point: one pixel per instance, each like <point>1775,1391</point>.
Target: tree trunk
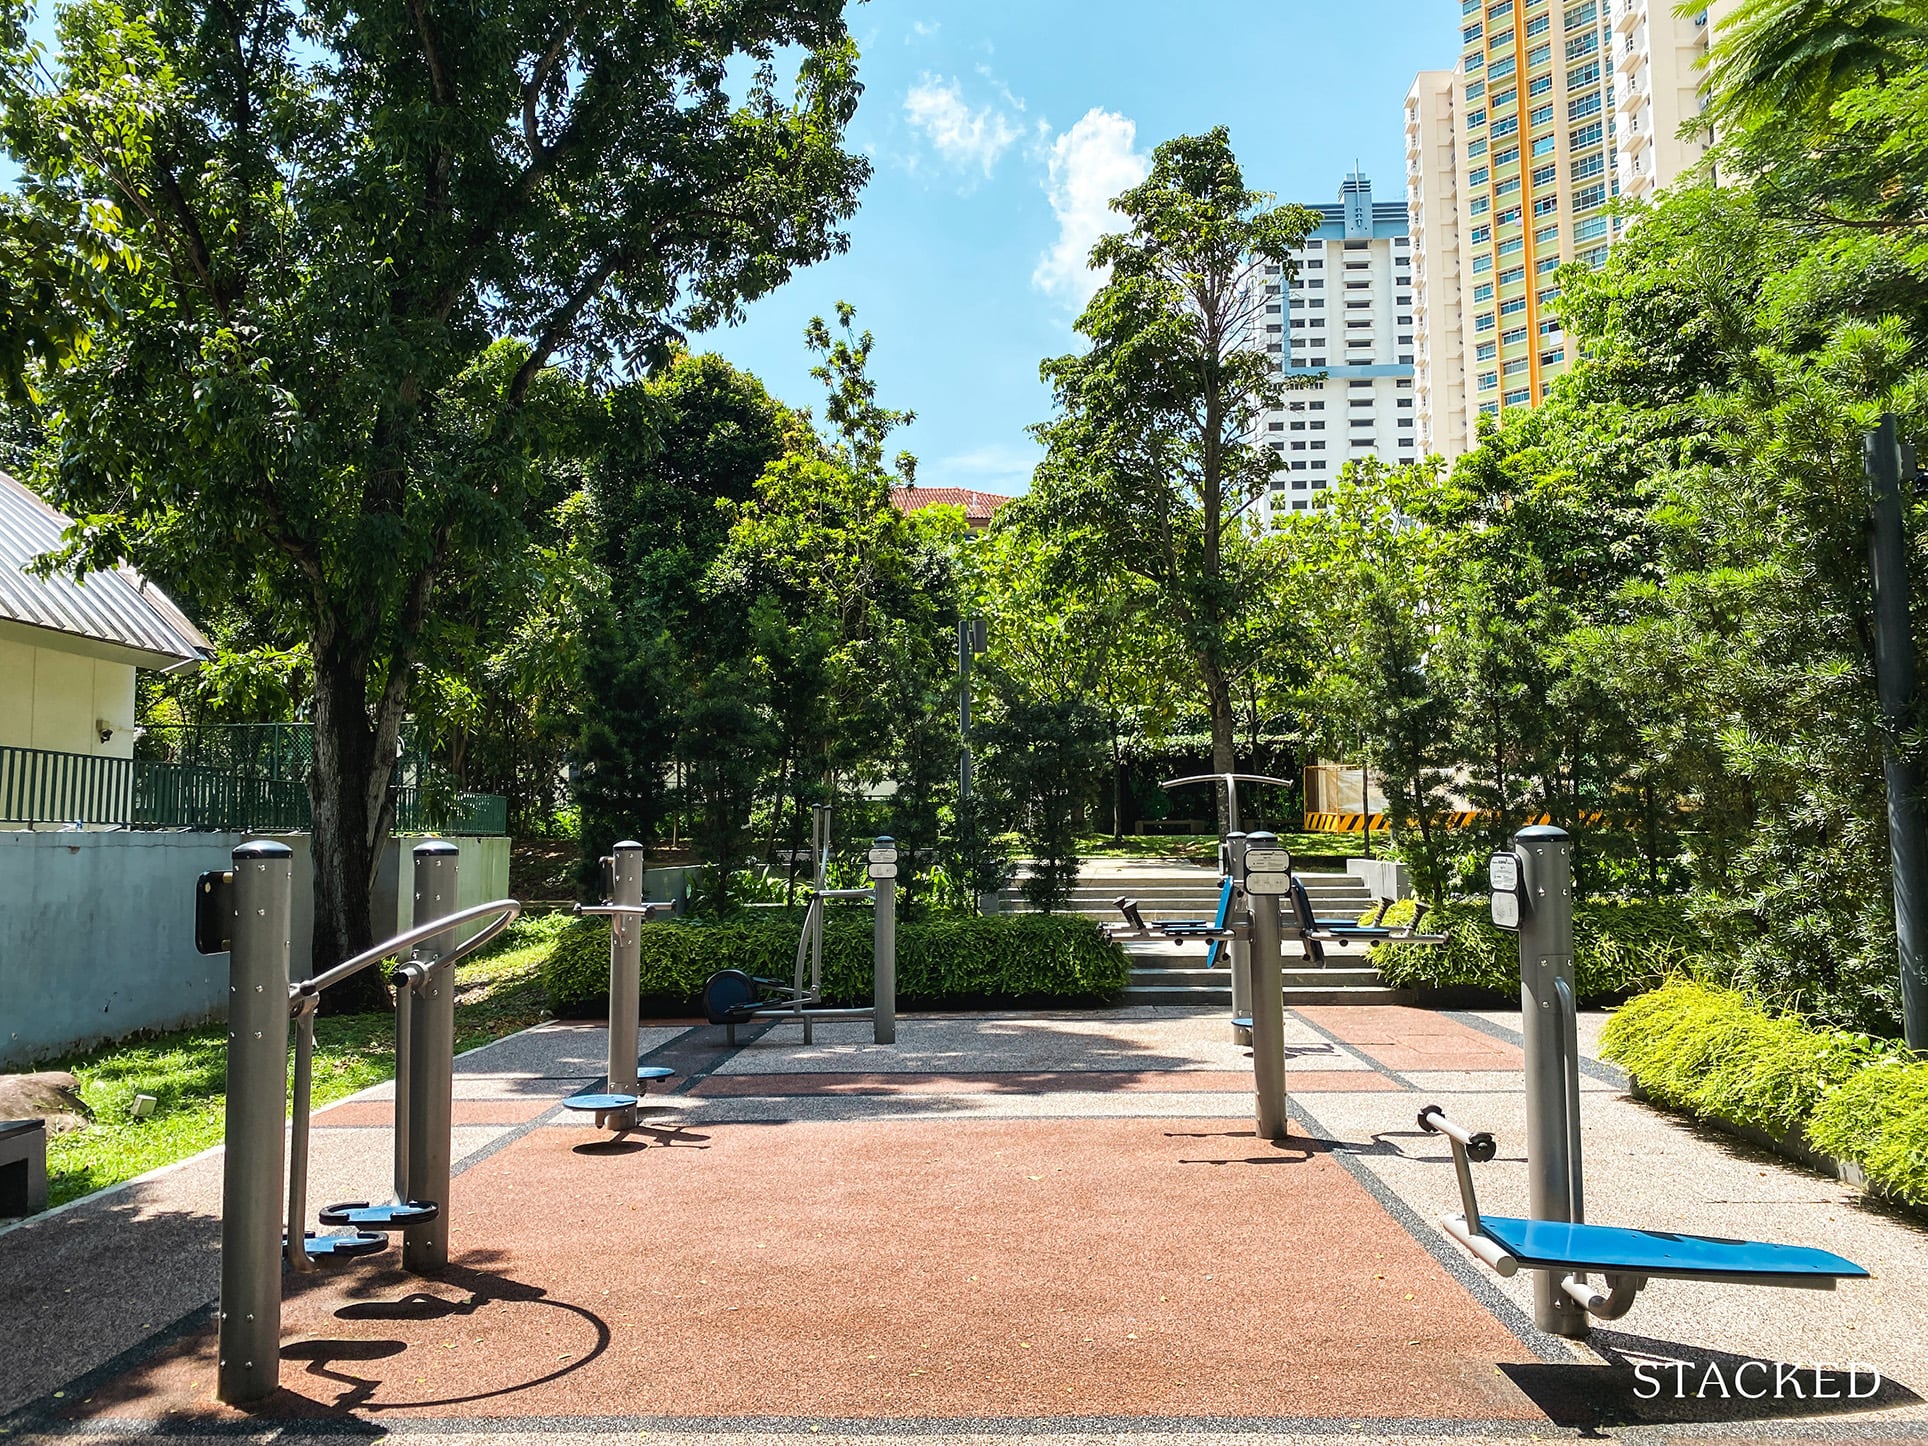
<point>1218,697</point>
<point>348,786</point>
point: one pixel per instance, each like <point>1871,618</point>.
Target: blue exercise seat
<point>1661,1254</point>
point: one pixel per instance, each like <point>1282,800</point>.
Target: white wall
<point>97,930</point>
<point>51,698</point>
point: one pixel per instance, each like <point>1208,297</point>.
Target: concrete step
<point>1294,998</point>
<point>1332,976</point>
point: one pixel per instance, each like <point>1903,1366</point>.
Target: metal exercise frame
<point>1533,895</point>
<point>1256,929</point>
<point>615,1105</point>
<point>801,999</point>
<point>249,911</point>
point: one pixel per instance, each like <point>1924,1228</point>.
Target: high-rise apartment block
<point>1556,107</point>
<point>1342,331</point>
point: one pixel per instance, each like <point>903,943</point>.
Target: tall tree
<point>346,243</point>
<point>1150,465</point>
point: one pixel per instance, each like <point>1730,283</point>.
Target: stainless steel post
<point>1267,986</point>
<point>431,1057</point>
<point>1546,961</point>
<point>1238,949</point>
<point>884,945</point>
<point>257,1094</point>
<point>625,981</point>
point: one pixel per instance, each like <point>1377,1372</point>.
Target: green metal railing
<point>38,785</point>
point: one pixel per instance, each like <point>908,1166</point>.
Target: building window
<point>1538,56</point>
<point>1513,336</point>
<point>1501,11</point>
<point>1538,25</point>
<point>1515,367</point>
<point>1513,306</point>
<point>1552,358</point>
<point>1489,381</point>
<point>1512,274</point>
<point>1581,107</point>
<point>1483,292</point>
<point>1586,135</point>
<point>1513,245</point>
<point>1471,32</point>
<point>1519,398</point>
<point>1487,350</point>
<point>1545,146</point>
<point>1475,149</point>
<point>1506,126</point>
<point>1547,298</point>
<point>1546,264</point>
<point>1480,235</point>
<point>1544,205</point>
<point>1475,119</point>
<point>1539,85</point>
<point>1476,176</point>
<point>1507,187</point>
<point>1546,236</point>
<point>1489,409</point>
<point>1474,60</point>
<point>1501,67</point>
<point>1582,75</point>
<point>1542,116</point>
<point>1506,156</point>
<point>1475,89</point>
<point>1581,15</point>
<point>1503,96</point>
<point>1509,217</point>
<point>1591,229</point>
<point>1482,262</point>
<point>1579,45</point>
<point>1483,322</point>
<point>1591,165</point>
<point>1589,198</point>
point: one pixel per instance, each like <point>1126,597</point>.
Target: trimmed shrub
<point>1879,1119</point>
<point>1618,947</point>
<point>1006,958</point>
<point>1717,1052</point>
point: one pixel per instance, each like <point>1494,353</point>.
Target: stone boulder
<point>52,1095</point>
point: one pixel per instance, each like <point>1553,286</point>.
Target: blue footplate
<point>599,1104</point>
<point>1604,1249</point>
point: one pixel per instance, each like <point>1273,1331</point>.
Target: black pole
<point>1894,668</point>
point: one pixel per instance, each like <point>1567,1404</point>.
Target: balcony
<point>41,787</point>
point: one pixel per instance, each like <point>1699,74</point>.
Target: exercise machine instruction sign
<point>1503,873</point>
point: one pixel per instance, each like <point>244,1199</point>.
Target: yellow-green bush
<point>1879,1119</point>
<point>1015,957</point>
<point>1717,1052</point>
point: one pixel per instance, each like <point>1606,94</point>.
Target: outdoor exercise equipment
<point>732,996</point>
<point>614,1106</point>
<point>246,912</point>
<point>1231,846</point>
<point>1533,895</point>
<point>1249,920</point>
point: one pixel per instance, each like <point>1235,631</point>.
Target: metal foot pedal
<point>331,1247</point>
<point>646,1075</point>
<point>398,1215</point>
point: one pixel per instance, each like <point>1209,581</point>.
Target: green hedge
<point>1618,947</point>
<point>1010,957</point>
<point>1722,1055</point>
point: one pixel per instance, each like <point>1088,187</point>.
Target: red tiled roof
<point>978,506</point>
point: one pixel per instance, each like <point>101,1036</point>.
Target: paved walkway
<point>1011,1228</point>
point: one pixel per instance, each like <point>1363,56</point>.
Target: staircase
<point>1166,973</point>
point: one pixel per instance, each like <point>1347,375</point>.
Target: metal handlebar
<point>507,909</point>
<point>1480,1145</point>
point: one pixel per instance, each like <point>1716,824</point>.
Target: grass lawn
<point>496,994</point>
<point>1202,848</point>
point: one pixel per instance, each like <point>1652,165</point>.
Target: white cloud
<point>994,467</point>
<point>923,30</point>
<point>1089,164</point>
<point>968,137</point>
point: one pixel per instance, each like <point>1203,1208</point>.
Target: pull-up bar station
<point>1533,896</point>
<point>246,913</point>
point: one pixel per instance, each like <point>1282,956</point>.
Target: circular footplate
<point>397,1215</point>
<point>1241,1021</point>
<point>599,1104</point>
<point>330,1247</point>
<point>646,1075</point>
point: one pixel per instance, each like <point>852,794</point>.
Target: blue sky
<point>998,130</point>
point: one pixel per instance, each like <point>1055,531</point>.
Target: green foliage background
<point>1007,958</point>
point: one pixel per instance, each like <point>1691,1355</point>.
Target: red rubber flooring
<point>1166,1081</point>
<point>891,1269</point>
<point>1413,1039</point>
